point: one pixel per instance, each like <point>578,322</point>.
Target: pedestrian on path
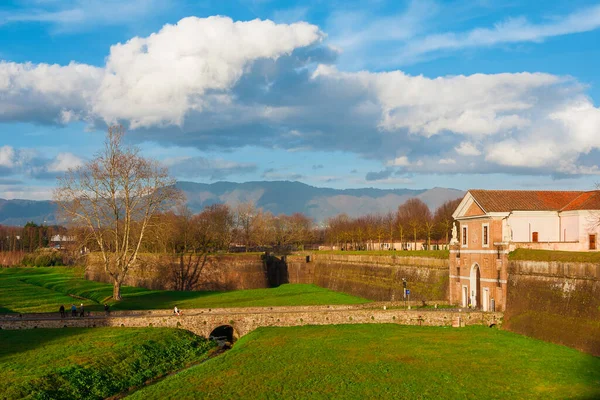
<point>62,311</point>
<point>106,309</point>
<point>81,311</point>
<point>73,310</point>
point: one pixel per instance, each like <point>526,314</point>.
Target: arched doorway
<point>223,334</point>
<point>475,286</point>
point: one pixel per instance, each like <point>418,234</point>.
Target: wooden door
<point>592,242</point>
<point>534,237</point>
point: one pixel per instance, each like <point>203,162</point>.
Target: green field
<point>91,363</point>
<point>387,362</point>
<point>554,255</point>
<point>27,290</point>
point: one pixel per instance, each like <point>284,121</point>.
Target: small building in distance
<point>61,241</point>
<point>491,223</point>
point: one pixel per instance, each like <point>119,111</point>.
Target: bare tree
<point>428,224</point>
<point>443,217</point>
<point>190,244</point>
<point>245,219</point>
<point>115,196</point>
<point>416,213</point>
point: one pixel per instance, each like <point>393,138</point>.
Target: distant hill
<point>278,197</point>
<point>19,212</point>
<point>285,197</point>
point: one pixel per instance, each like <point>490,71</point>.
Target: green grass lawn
<point>554,255</point>
<point>91,363</point>
<point>444,254</point>
<point>27,290</point>
<point>387,362</point>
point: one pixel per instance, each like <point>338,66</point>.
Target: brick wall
<point>555,301</point>
<point>380,277</point>
<point>373,277</point>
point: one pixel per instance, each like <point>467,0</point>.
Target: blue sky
<point>345,94</point>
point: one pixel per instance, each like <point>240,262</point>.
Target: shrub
<point>43,258</point>
<point>115,373</point>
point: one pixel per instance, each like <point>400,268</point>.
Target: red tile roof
<point>535,200</point>
<point>585,201</point>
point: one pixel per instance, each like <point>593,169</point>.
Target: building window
<point>534,237</point>
<point>485,235</point>
<point>464,236</point>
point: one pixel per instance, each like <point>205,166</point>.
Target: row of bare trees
<point>220,227</point>
<point>412,222</point>
<point>120,204</point>
<point>27,238</point>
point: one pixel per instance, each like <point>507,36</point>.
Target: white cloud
<point>64,161</point>
<point>31,163</point>
<point>358,31</point>
<point>150,81</point>
<point>467,149</point>
<point>69,16</point>
<point>523,120</point>
<point>512,30</point>
<point>45,92</point>
<point>158,79</point>
<point>401,161</point>
<point>7,155</point>
<point>475,105</point>
<point>446,161</point>
<point>217,83</point>
<point>26,192</point>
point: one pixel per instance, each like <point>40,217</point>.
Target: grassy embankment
<point>554,255</point>
<point>444,254</point>
<point>388,362</point>
<point>28,290</point>
<point>91,363</point>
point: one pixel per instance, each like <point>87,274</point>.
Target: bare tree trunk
<point>117,290</point>
<point>415,236</point>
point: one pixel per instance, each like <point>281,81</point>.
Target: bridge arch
<point>224,333</point>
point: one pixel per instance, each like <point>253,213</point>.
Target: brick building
<point>491,223</point>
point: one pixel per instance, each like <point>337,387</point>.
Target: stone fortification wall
<point>373,277</point>
<point>555,301</point>
<point>221,272</point>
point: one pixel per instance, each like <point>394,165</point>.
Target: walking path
<point>244,320</point>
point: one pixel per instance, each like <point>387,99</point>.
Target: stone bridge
<point>244,320</point>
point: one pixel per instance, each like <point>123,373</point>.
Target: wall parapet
<point>203,323</point>
<point>576,270</point>
<point>441,263</point>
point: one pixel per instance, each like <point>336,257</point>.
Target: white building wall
<point>588,225</point>
<point>569,227</point>
<point>523,224</point>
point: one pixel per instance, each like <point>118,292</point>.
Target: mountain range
<point>278,197</point>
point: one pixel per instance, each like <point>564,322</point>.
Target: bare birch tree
<point>115,196</point>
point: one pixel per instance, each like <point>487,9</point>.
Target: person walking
<point>81,311</point>
<point>176,311</point>
<point>62,310</point>
<point>73,310</point>
<point>106,309</point>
